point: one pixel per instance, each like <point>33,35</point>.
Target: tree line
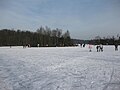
<point>43,36</point>
<point>109,40</point>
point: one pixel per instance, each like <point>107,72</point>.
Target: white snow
<point>59,68</point>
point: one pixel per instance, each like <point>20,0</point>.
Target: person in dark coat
<point>116,47</point>
<point>97,47</point>
<point>101,47</point>
<point>83,45</point>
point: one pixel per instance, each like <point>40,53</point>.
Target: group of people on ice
<point>82,45</point>
<point>99,48</point>
<point>27,45</point>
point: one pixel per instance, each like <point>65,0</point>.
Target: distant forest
<point>46,37</point>
<point>109,40</point>
<point>42,36</point>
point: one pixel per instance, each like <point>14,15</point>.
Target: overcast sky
<point>85,19</point>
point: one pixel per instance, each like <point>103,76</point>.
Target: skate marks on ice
<point>64,70</point>
<point>113,84</point>
<point>75,79</point>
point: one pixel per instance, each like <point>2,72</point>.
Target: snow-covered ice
<point>59,68</point>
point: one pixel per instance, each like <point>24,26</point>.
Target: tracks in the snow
<point>109,82</point>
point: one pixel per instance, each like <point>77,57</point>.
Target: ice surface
<point>59,68</point>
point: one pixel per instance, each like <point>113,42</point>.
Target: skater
<point>90,48</point>
<point>116,47</point>
<point>38,45</point>
<point>28,45</point>
<point>83,45</point>
<point>97,47</point>
<point>101,47</point>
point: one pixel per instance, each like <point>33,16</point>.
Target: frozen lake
<point>59,68</point>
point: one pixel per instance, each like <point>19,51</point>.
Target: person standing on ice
<point>83,45</point>
<point>90,48</point>
<point>116,47</point>
<point>97,47</point>
<point>101,47</point>
<point>38,45</point>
